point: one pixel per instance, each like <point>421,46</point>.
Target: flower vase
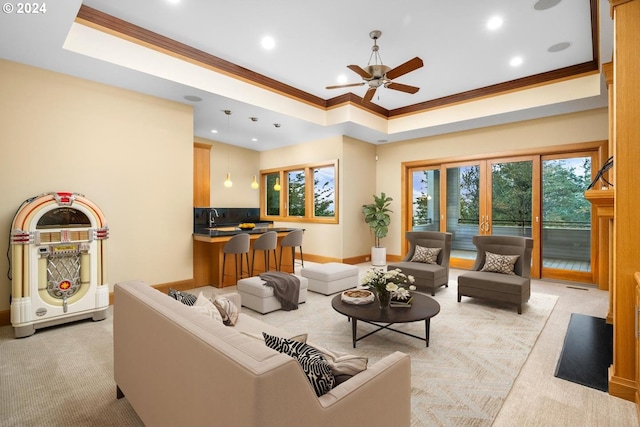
<point>383,299</point>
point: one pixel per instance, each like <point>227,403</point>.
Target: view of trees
<point>296,183</point>
<point>511,193</point>
<point>563,184</point>
<point>323,193</point>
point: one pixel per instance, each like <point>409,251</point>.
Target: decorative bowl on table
<point>358,296</point>
<point>246,226</point>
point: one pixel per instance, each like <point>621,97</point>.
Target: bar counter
<point>208,257</point>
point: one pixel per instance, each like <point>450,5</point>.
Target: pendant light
<point>227,181</point>
<point>254,183</point>
<point>277,186</point>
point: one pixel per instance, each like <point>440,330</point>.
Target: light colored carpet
<point>64,375</point>
<point>475,353</point>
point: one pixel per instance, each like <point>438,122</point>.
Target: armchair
<point>427,275</point>
<point>513,287</point>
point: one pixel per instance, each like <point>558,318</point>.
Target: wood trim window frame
<point>308,171</point>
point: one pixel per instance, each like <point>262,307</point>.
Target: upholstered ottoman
<point>331,277</point>
<point>258,297</point>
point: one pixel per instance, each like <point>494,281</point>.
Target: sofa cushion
<point>228,310</point>
<point>503,264</point>
<point>425,255</point>
<point>206,307</point>
<point>184,297</point>
<point>313,363</point>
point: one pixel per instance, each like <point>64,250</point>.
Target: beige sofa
<point>177,366</point>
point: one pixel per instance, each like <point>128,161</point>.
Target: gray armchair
<point>511,288</point>
<point>429,276</point>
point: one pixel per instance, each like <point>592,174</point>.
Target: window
<point>300,193</point>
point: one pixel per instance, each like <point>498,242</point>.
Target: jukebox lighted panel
<point>58,256</point>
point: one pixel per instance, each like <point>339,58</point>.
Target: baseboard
<point>182,285</point>
<point>621,387</point>
<point>5,317</point>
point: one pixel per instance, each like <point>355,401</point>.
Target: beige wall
<point>243,164</point>
<point>131,154</point>
<point>358,187</point>
<point>319,239</point>
<point>559,130</point>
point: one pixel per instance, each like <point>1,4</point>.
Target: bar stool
<point>293,239</point>
<point>238,245</point>
<point>267,242</point>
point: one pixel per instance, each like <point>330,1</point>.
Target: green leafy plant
<point>376,215</point>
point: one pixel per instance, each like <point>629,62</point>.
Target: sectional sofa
<point>176,366</point>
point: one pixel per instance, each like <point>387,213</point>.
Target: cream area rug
<point>476,350</point>
<point>63,375</point>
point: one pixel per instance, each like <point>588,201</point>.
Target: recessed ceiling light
<point>342,79</point>
<point>214,130</point>
<point>515,61</point>
<point>494,23</point>
<point>545,4</point>
<point>254,139</point>
<point>193,98</point>
<point>268,42</point>
<point>559,47</point>
<point>173,1</point>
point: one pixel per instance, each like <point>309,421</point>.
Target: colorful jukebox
<point>58,262</point>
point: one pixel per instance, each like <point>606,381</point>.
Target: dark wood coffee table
<point>422,308</point>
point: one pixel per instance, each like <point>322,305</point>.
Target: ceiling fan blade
<point>402,88</point>
<point>407,67</point>
<point>369,95</point>
<point>359,71</point>
<point>347,85</point>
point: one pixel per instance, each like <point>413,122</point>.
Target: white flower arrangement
<point>393,281</point>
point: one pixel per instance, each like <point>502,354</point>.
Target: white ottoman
<point>331,277</point>
<point>260,298</point>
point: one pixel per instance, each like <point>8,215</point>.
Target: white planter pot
<point>378,256</point>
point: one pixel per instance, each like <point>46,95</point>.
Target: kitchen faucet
<point>212,219</point>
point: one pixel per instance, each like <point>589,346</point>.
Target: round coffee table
<point>422,308</point>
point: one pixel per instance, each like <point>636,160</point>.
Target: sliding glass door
<point>541,197</point>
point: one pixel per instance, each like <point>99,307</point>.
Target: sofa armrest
<point>392,372</point>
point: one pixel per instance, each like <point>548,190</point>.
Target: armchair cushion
<point>496,263</point>
<point>426,255</point>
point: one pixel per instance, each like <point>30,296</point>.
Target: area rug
<point>475,353</point>
<point>587,352</point>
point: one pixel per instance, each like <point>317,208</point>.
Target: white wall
<point>129,153</point>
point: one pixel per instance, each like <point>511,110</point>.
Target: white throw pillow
<point>206,307</point>
<point>228,310</point>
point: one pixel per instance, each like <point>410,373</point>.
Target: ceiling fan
<point>377,74</point>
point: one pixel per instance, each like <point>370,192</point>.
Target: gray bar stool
<point>293,239</point>
<point>267,242</point>
<point>238,245</point>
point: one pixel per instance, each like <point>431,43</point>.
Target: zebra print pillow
<point>184,297</point>
<point>311,360</point>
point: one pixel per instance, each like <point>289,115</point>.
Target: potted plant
<point>376,215</point>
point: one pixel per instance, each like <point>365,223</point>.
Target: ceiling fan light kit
<point>377,74</point>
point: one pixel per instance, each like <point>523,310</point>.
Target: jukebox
<point>58,262</point>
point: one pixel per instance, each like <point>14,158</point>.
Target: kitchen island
<point>208,254</point>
